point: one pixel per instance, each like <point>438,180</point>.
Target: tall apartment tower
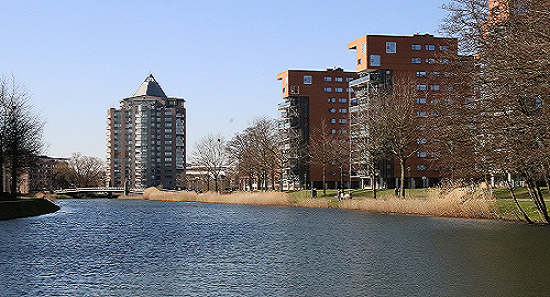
<point>146,139</point>
<point>380,60</point>
<point>313,100</point>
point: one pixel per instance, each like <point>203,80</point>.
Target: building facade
<point>314,103</point>
<point>42,177</point>
<point>425,61</point>
<point>146,139</point>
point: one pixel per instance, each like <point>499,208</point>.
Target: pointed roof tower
<point>150,87</point>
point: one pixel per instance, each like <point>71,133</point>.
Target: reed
<point>459,203</point>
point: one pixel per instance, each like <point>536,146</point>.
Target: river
<point>106,247</point>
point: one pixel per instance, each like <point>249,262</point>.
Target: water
<point>145,248</point>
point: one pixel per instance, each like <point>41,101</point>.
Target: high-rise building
<point>314,102</point>
<point>426,61</point>
<point>146,139</point>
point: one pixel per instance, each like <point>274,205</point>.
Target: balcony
<point>361,80</point>
<point>283,105</point>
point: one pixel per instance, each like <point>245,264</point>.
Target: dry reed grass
<point>457,203</point>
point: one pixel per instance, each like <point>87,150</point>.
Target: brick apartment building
<point>313,99</point>
<point>380,60</point>
<point>41,177</point>
<point>146,139</point>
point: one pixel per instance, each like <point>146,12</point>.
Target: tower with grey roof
<point>146,139</point>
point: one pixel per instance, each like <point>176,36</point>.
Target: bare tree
<point>321,151</point>
<point>20,131</point>
<point>242,151</point>
<point>368,138</point>
<point>403,126</point>
<point>210,153</point>
<point>256,152</point>
<point>510,78</point>
<point>82,171</point>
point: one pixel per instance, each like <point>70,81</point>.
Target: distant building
<point>41,177</point>
<point>313,99</point>
<point>146,139</point>
<point>380,59</point>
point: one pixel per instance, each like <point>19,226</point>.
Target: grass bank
<point>458,203</point>
<point>26,208</point>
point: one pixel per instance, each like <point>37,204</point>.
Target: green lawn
<point>362,194</point>
<point>505,206</point>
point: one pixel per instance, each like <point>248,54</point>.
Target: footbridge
<point>110,191</point>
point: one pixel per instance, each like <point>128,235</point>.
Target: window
<point>421,87</point>
<point>343,100</point>
<point>333,131</point>
<point>417,60</point>
<point>328,89</point>
<point>331,100</point>
<point>307,80</point>
<point>435,87</point>
<point>430,47</point>
<point>421,167</point>
<point>349,79</point>
<point>445,61</point>
<point>436,73</point>
<point>338,90</point>
<point>353,101</point>
<point>434,114</point>
<point>342,110</point>
<point>420,114</point>
<point>421,140</point>
<point>333,121</point>
<point>434,101</point>
<point>342,121</point>
<point>422,154</point>
<point>328,78</point>
<point>449,88</point>
<point>443,48</point>
<point>538,103</point>
<point>374,60</point>
<point>421,74</point>
<point>430,61</point>
<point>421,100</point>
<point>338,79</point>
<point>363,47</point>
<point>416,47</point>
<point>343,131</point>
<point>332,110</point>
<point>359,61</point>
<point>391,48</point>
<point>349,90</point>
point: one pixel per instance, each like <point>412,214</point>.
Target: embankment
<point>26,208</point>
<point>460,204</point>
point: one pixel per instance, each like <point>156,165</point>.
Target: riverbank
<point>458,203</point>
<point>26,208</point>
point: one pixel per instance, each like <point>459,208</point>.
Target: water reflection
<point>144,248</point>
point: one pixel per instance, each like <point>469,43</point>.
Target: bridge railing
<point>102,189</point>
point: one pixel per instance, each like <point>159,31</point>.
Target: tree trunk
<point>536,196</point>
<point>14,169</point>
<point>373,179</point>
<point>324,180</point>
<point>525,216</point>
<point>402,186</point>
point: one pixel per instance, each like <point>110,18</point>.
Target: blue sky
<point>78,58</point>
